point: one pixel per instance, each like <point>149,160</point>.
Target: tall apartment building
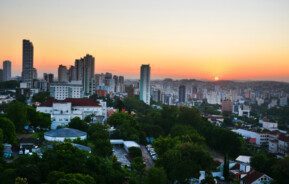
<point>84,71</point>
<point>78,64</point>
<point>72,73</point>
<point>62,74</point>
<point>6,70</point>
<point>1,75</point>
<point>88,74</point>
<point>182,94</point>
<point>145,72</point>
<point>49,77</point>
<point>27,61</point>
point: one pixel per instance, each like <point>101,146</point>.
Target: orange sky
<point>240,40</point>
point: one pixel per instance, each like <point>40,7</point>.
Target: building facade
<point>62,111</point>
<point>182,93</point>
<point>7,70</point>
<point>62,74</point>
<point>61,91</point>
<point>144,93</point>
<point>27,60</point>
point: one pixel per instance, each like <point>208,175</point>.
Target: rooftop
<point>73,101</point>
<point>65,132</point>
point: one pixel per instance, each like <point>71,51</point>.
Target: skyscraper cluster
<point>109,82</point>
<point>83,71</point>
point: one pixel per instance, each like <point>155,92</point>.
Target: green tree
<point>181,164</point>
<point>41,97</point>
<point>17,112</point>
<point>1,143</point>
<point>138,166</point>
<point>156,175</point>
<point>187,134</point>
<point>281,171</point>
<point>79,124</point>
<point>38,119</point>
<point>76,179</point>
<point>8,176</point>
<point>8,130</point>
<point>134,152</point>
<point>20,180</point>
<point>54,176</point>
<point>99,137</point>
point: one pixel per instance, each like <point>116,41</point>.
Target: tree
<point>187,134</point>
<point>156,175</point>
<point>281,170</point>
<point>134,152</point>
<point>164,144</point>
<point>41,97</point>
<point>8,176</point>
<point>38,119</point>
<point>99,137</point>
<point>79,124</point>
<point>8,130</point>
<point>20,180</point>
<point>1,143</point>
<point>17,112</point>
<point>138,166</point>
<point>180,163</point>
<point>54,176</point>
<point>76,179</point>
<point>226,168</point>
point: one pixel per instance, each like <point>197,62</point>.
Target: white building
<point>144,86</point>
<point>62,134</point>
<point>269,125</point>
<point>64,110</point>
<point>61,91</point>
<point>260,138</point>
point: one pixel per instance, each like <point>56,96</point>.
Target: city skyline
<point>242,40</point>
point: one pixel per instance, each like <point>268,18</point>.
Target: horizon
<point>203,40</point>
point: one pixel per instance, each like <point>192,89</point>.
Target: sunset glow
<point>240,40</point>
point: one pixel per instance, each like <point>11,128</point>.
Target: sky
<point>202,39</point>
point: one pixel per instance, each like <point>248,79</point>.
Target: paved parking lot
<point>146,157</point>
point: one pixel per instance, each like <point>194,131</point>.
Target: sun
<point>216,78</point>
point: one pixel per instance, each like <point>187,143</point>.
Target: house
<point>62,111</point>
<point>255,177</point>
<point>7,151</point>
<point>28,145</point>
<point>244,162</point>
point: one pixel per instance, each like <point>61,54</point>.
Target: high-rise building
<point>144,89</point>
<point>182,93</point>
<point>62,74</point>
<point>34,73</point>
<point>1,75</point>
<point>121,83</point>
<point>227,106</point>
<point>49,77</point>
<point>78,64</point>
<point>6,70</point>
<point>72,73</point>
<point>27,61</point>
<point>88,74</point>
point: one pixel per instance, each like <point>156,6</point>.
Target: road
<point>146,157</point>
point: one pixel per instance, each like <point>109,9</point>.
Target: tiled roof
<point>283,137</point>
<point>73,101</point>
<point>252,176</point>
